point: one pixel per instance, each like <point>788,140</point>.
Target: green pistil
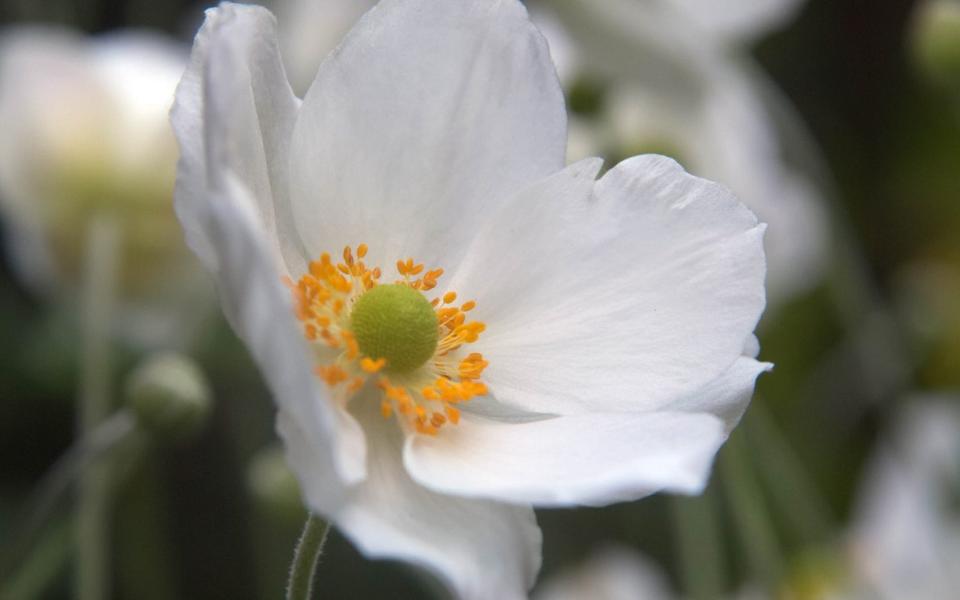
<point>396,323</point>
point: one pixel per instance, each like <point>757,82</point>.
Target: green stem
<point>791,487</point>
<point>306,557</point>
<point>753,525</point>
<point>42,502</point>
<point>46,560</point>
<point>698,545</point>
<point>100,273</point>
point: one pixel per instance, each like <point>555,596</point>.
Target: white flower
<point>906,531</point>
<point>84,130</point>
<point>611,351</point>
<point>735,20</point>
<point>666,84</point>
<point>611,573</point>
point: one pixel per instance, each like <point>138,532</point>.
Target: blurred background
<point>837,121</point>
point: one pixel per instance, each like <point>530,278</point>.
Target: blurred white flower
<point>735,20</point>
<point>598,347</point>
<point>935,41</point>
<point>616,572</point>
<point>906,533</point>
<point>660,82</point>
<point>612,573</point>
<point>84,131</point>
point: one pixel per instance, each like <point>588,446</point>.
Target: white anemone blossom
<point>905,539</point>
<point>610,573</point>
<point>667,82</point>
<point>456,326</point>
<point>736,20</point>
<point>84,131</point>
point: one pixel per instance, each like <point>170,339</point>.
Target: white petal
<point>587,459</point>
<point>322,488</point>
<point>481,549</point>
<point>429,114</point>
<point>260,312</point>
<point>563,51</point>
<point>728,395</point>
<point>715,112</point>
<point>310,29</point>
<point>741,147</point>
<point>624,300</point>
<point>727,133</point>
<point>235,111</point>
<point>229,226</point>
<point>592,459</point>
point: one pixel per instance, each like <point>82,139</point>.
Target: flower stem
<point>788,481</point>
<point>698,545</point>
<point>42,502</point>
<point>306,557</point>
<point>47,558</point>
<point>100,274</point>
<point>753,525</point>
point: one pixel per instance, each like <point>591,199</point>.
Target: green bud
<point>169,395</point>
<point>273,485</point>
<point>936,41</point>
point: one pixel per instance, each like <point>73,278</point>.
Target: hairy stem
<point>306,557</point>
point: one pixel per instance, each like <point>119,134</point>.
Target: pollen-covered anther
<point>408,344</point>
<point>472,366</point>
<point>372,366</point>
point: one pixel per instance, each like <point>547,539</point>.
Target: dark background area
<point>187,526</point>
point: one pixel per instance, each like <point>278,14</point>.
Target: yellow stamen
<point>372,366</point>
<point>423,398</point>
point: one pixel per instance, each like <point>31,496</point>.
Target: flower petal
<point>729,395</point>
<point>429,114</point>
<point>623,300</point>
<point>260,311</point>
<point>587,459</point>
<point>309,30</point>
<point>714,112</point>
<point>592,459</point>
<point>235,111</point>
<point>320,483</point>
<point>230,225</point>
<point>481,549</point>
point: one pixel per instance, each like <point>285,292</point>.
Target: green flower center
<point>395,322</point>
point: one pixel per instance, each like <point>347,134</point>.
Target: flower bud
<point>169,395</point>
<point>274,486</point>
<point>936,41</point>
